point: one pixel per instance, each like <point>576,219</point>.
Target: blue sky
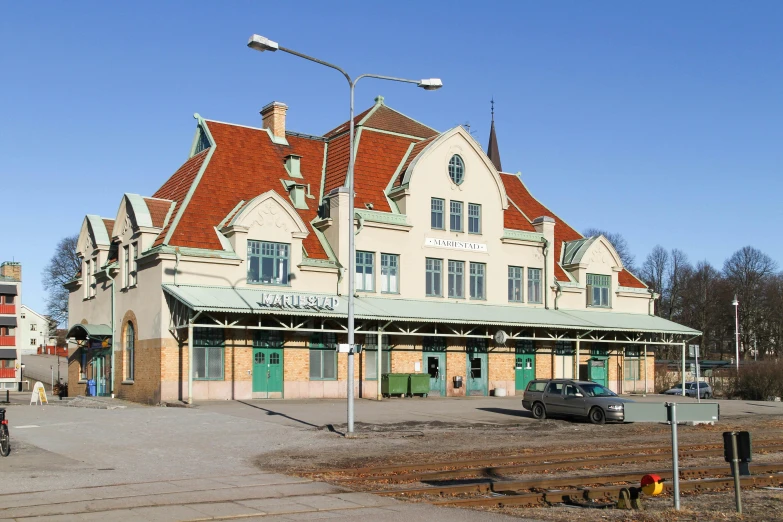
<point>660,121</point>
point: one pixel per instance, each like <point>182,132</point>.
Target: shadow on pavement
<point>271,412</point>
<point>506,411</point>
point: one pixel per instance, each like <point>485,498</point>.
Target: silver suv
<point>566,397</point>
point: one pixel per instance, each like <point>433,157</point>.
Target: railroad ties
<point>489,482</point>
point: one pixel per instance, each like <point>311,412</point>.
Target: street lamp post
<point>260,43</point>
<point>735,303</point>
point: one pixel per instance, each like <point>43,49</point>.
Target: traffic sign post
<point>738,449</point>
<point>672,413</point>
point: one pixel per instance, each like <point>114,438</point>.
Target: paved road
<point>38,367</point>
<point>491,410</point>
<point>148,463</point>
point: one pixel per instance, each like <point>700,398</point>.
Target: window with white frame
<point>323,357</point>
<point>456,279</point>
<point>126,266</point>
<point>433,277</point>
<point>390,273</point>
<point>268,263</point>
<point>534,285</point>
<point>478,287</point>
<point>130,351</point>
<point>455,216</point>
<point>474,218</point>
<point>598,288</point>
<point>33,327</point>
<point>33,342</point>
<point>515,284</point>
<point>436,213</point>
<point>365,275</point>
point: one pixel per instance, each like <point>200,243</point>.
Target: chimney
<point>11,270</point>
<point>274,118</point>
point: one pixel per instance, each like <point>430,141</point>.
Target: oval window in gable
<point>456,169</point>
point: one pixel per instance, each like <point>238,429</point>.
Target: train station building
<point>230,281</point>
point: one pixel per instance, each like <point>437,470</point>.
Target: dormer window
<point>598,287</point>
<point>298,193</point>
<point>293,165</point>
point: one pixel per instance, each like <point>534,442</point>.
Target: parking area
<point>500,411</point>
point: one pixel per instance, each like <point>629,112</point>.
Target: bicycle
<point>5,438</point>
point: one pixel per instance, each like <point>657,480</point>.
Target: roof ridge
<point>436,131</point>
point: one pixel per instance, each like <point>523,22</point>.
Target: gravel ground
<point>438,441</point>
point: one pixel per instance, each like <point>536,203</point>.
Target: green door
<point>525,370</point>
<point>267,373</point>
<point>435,364</point>
<point>596,368</point>
<point>267,365</point>
<point>476,374</point>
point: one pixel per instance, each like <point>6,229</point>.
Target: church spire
<point>492,149</point>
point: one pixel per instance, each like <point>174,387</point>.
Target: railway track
<point>490,482</point>
<point>525,464</point>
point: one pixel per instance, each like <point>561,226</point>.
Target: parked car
<point>570,398</point>
<point>705,390</point>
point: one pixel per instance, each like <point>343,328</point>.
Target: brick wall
<point>544,360</point>
<point>145,387</point>
<point>456,364</point>
<point>404,360</point>
<point>501,372</point>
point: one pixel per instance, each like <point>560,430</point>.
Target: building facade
<point>10,307</point>
<point>34,331</point>
<point>238,264</point>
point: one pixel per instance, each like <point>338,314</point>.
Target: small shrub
<point>758,381</point>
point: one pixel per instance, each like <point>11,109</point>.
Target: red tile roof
<point>336,163</point>
<point>176,187</point>
<point>159,209</point>
<point>343,127</point>
<point>378,154</point>
<point>109,224</point>
<point>533,209</point>
<point>245,164</point>
<point>625,278</point>
<point>377,160</point>
<point>390,120</point>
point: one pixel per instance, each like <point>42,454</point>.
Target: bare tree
<point>700,294</point>
<point>654,272</point>
<point>677,274</point>
<point>62,267</point>
<point>747,271</point>
<point>620,245</point>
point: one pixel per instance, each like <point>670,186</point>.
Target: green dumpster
<point>394,384</point>
<point>420,384</point>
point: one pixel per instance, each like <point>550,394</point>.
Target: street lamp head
<point>430,84</point>
<point>259,43</point>
<point>735,302</point>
